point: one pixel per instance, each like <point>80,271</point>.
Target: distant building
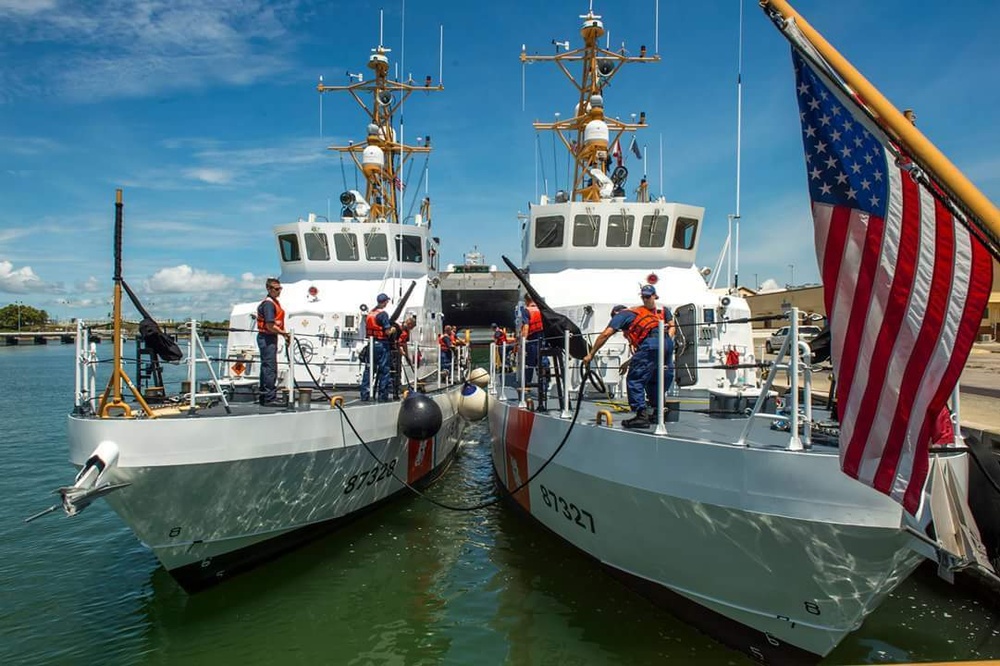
<point>991,318</point>
<point>810,299</point>
<point>807,299</point>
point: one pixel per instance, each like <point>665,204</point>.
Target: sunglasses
<point>275,288</point>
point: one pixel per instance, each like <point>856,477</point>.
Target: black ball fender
<point>419,416</point>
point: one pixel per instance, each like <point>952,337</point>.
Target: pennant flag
<point>634,147</point>
<point>905,284</point>
<point>616,152</point>
<point>398,183</point>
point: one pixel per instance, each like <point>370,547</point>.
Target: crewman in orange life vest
<point>446,343</point>
<point>377,329</point>
<point>533,337</point>
<point>500,339</point>
<point>640,327</point>
<point>270,324</point>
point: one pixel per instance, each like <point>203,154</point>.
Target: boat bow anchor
<point>89,484</point>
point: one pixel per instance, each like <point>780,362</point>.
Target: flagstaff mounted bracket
<point>117,406</point>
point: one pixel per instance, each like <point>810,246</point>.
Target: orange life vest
<point>404,337</point>
<point>372,329</point>
<point>444,342</point>
<point>534,320</point>
<point>645,322</point>
<point>279,317</point>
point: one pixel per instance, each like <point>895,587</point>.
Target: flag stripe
<point>851,363</point>
<point>974,276</point>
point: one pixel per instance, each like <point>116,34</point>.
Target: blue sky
<point>206,114</point>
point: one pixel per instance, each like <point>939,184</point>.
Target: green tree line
<point>30,318</point>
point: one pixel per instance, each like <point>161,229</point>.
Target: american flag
<point>905,288</point>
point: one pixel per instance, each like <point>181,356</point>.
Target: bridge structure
<point>10,338</point>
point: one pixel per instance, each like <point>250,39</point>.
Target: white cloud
<point>184,279</point>
<point>210,176</point>
<point>11,234</point>
<point>28,145</point>
<point>25,7</point>
<point>158,45</point>
<point>770,284</point>
<point>84,303</point>
<point>23,280</point>
<point>90,285</point>
<point>251,282</point>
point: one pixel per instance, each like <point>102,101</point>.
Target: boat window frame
<point>648,221</point>
<point>404,241</point>
<point>320,242</point>
<point>685,233</point>
<point>288,246</point>
<point>628,220</point>
<point>548,223</point>
<point>373,237</point>
<point>351,239</point>
<point>591,226</point>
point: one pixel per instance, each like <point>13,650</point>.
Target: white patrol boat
<point>211,481</point>
<point>748,530</point>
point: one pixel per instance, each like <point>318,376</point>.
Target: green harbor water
<point>409,584</point>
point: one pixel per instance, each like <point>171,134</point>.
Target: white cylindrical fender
<point>472,404</point>
<point>480,377</point>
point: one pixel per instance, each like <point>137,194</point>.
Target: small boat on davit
<point>773,524</point>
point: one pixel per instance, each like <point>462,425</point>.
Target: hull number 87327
<point>567,509</point>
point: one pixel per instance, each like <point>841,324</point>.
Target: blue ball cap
<point>381,298</point>
<point>648,290</point>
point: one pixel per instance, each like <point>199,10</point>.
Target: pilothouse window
<point>685,233</point>
<point>654,231</point>
<point>376,247</point>
<point>620,229</point>
<point>289,244</point>
<point>408,248</point>
<point>549,231</point>
<point>317,247</point>
<point>346,246</point>
<point>586,230</point>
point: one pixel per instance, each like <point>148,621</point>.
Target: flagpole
<point>915,142</point>
<point>661,164</point>
<point>739,146</point>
